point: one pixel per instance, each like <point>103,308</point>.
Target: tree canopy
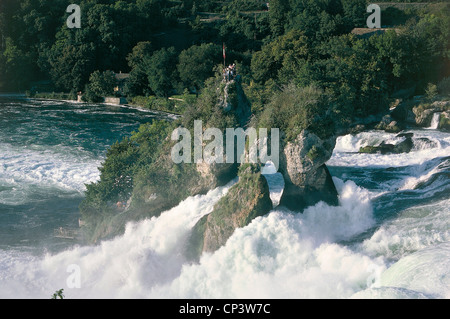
<point>170,46</point>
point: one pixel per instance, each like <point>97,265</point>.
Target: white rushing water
<point>435,121</point>
<point>382,241</point>
<point>278,255</point>
<point>24,171</point>
<point>281,255</point>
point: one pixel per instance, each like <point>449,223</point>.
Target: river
<point>388,238</point>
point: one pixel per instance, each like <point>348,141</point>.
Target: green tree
<point>319,20</point>
<point>72,58</point>
<point>162,72</point>
<point>59,294</point>
<point>101,84</point>
<point>297,108</point>
<point>137,84</point>
<point>278,12</point>
<point>197,64</point>
<point>17,67</point>
<point>281,58</point>
<point>139,53</point>
<point>353,11</point>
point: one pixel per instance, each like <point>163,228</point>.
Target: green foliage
<point>431,92</point>
<point>158,104</point>
<point>123,162</point>
<point>161,71</point>
<point>444,86</point>
<point>278,12</point>
<point>244,5</point>
<point>102,83</point>
<point>352,13</point>
<point>137,83</point>
<point>314,153</point>
<point>320,20</point>
<point>295,109</point>
<point>208,109</point>
<point>54,96</point>
<point>259,94</point>
<point>59,294</point>
<point>281,58</point>
<point>197,64</point>
<point>15,65</point>
<point>444,123</point>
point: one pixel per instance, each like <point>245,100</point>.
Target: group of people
<point>230,72</point>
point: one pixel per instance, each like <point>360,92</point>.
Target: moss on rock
<point>246,200</point>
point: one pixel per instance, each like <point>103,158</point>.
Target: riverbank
<point>18,95</point>
<point>66,97</point>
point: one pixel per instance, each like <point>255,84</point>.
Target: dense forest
<point>169,47</point>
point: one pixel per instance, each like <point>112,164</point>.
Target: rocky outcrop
<point>214,174</point>
<point>231,98</point>
<point>307,179</point>
<point>246,200</point>
<point>389,125</point>
<point>418,113</point>
<point>227,95</point>
<point>444,121</point>
<point>423,116</point>
<point>404,146</point>
<point>386,148</point>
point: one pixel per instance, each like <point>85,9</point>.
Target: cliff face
<point>162,184</point>
<point>307,179</point>
<point>246,200</point>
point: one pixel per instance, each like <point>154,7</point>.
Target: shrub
<point>443,86</point>
<point>431,92</point>
<point>298,108</point>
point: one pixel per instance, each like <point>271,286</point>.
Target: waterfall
<point>435,121</point>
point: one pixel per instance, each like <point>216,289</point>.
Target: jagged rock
<point>246,200</point>
<point>423,116</point>
<point>307,179</point>
<point>444,121</point>
<point>403,112</point>
<point>388,124</point>
<point>297,198</point>
<point>424,113</point>
<point>232,98</point>
<point>404,147</point>
<point>418,113</point>
<point>384,148</point>
<point>405,135</point>
<point>225,101</point>
<point>215,174</point>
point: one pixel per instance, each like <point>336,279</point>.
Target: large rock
<point>385,148</point>
<point>307,179</point>
<point>424,113</point>
<point>423,116</point>
<point>403,112</point>
<point>444,121</point>
<point>419,113</point>
<point>389,125</point>
<point>246,200</point>
<point>297,198</point>
<point>214,175</point>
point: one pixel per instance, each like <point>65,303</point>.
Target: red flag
<point>224,54</point>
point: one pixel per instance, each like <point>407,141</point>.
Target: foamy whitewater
<point>388,238</point>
